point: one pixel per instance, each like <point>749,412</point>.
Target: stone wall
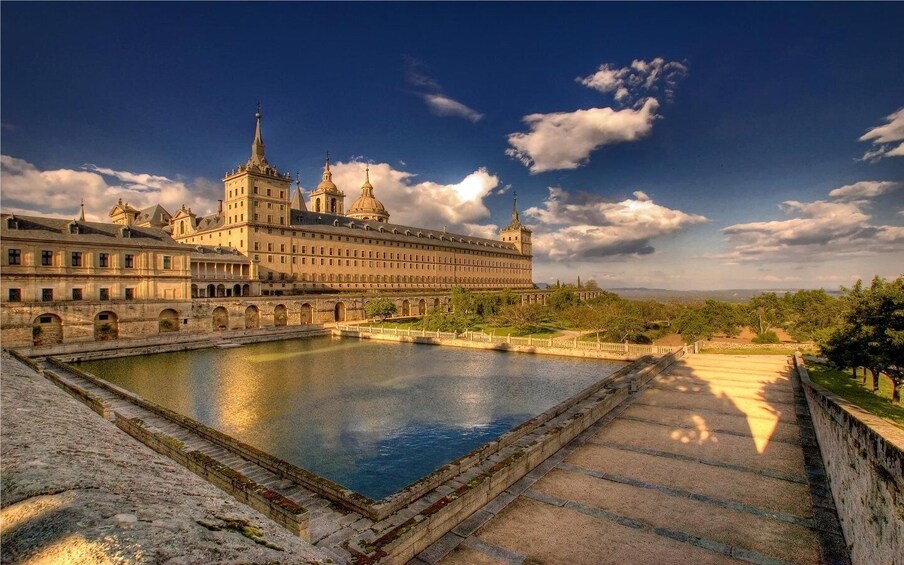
<point>864,459</point>
<point>789,347</point>
<point>80,320</point>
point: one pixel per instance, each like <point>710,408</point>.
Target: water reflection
<point>372,416</point>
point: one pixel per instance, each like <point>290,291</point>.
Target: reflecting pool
<point>373,416</point>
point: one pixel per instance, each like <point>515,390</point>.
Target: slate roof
<point>56,230</point>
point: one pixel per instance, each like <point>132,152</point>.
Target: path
<point>714,463</point>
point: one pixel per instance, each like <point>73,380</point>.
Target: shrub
<point>767,337</point>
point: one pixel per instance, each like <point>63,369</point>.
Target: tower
<point>517,233</point>
<point>327,198</point>
<point>256,192</point>
<point>367,207</point>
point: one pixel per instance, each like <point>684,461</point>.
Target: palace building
<point>299,247</point>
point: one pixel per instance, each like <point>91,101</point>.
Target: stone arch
<point>246,289</point>
<point>307,314</point>
<point>237,290</point>
<point>194,291</point>
<point>280,315</point>
<point>221,290</point>
<point>220,319</point>
<point>211,290</point>
<point>339,312</point>
<point>406,308</point>
<point>422,307</point>
<point>168,321</point>
<point>436,303</point>
<point>252,317</point>
<point>47,329</point>
<point>106,326</point>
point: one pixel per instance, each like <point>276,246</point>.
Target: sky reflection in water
<point>372,416</point>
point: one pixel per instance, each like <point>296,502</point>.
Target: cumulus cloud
<point>580,225</point>
<point>442,105</point>
<point>565,140</point>
<point>864,190</point>
<point>641,78</point>
<point>58,192</point>
<point>887,139</point>
<point>431,91</point>
<point>418,202</point>
<point>818,230</point>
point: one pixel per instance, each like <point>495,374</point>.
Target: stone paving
<point>76,489</point>
<point>716,462</point>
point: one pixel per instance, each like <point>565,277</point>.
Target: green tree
<point>591,285</point>
<point>380,308</point>
<point>590,318</point>
<point>765,311</point>
<point>462,301</point>
<point>872,332</point>
<point>708,319</point>
<point>810,313</point>
<point>562,298</point>
<point>523,317</point>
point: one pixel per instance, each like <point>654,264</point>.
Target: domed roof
<point>367,203</point>
<point>327,184</point>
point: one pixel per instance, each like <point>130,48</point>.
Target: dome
<point>367,207</point>
<point>327,184</point>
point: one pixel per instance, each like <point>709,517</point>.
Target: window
<point>76,258</point>
<point>76,294</point>
<point>167,262</point>
<point>15,295</point>
<point>104,294</point>
<point>130,261</point>
<point>47,294</point>
<point>46,258</point>
<point>269,247</point>
<point>130,294</point>
<point>15,256</point>
<point>103,259</point>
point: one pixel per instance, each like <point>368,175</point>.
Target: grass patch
<point>405,325</point>
<point>856,392</point>
<point>542,332</point>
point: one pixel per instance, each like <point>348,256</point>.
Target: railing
<point>566,343</point>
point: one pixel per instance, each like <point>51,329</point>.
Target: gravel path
<point>75,489</point>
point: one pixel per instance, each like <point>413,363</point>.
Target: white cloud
<point>442,105</point>
<point>641,78</point>
<point>864,190</point>
<point>577,225</point>
<point>431,91</point>
<point>564,140</point>
<point>819,231</point>
<point>414,202</point>
<point>886,138</point>
<point>58,192</point>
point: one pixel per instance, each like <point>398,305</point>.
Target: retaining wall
<point>864,459</point>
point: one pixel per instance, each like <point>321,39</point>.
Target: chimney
<point>219,207</point>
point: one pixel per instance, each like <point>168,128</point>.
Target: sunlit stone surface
<point>372,416</point>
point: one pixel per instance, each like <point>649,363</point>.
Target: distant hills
<point>727,295</point>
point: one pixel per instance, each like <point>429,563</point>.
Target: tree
<point>810,313</point>
<point>765,311</point>
<point>380,308</point>
<point>713,317</point>
<point>462,301</point>
<point>872,332</point>
<point>586,317</point>
<point>591,285</point>
<point>562,298</point>
<point>523,317</point>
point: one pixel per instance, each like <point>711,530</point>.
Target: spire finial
<point>515,206</point>
<point>297,179</point>
<point>327,175</point>
<point>82,217</point>
<point>367,173</point>
<point>257,147</point>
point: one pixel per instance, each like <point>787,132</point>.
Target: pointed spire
<point>82,217</point>
<point>327,175</point>
<point>515,218</point>
<point>257,148</point>
<point>367,189</point>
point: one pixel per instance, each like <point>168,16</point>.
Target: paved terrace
<point>716,462</point>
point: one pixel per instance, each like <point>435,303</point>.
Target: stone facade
<point>317,247</point>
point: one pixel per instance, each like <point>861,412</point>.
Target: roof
<point>154,215</point>
<point>218,253</point>
<point>345,226</point>
<point>57,230</point>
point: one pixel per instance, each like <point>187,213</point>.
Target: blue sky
<point>686,145</point>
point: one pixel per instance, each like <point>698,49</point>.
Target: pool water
<point>373,416</point>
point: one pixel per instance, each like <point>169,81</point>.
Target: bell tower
<point>256,192</point>
<point>327,198</point>
<point>517,233</point>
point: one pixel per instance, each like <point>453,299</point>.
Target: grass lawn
<point>408,324</point>
<point>854,391</point>
<point>542,333</point>
<point>753,351</point>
